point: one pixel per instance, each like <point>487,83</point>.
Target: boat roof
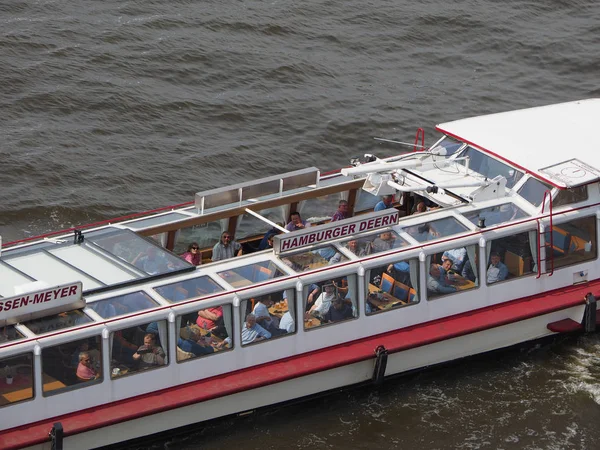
<point>541,141</point>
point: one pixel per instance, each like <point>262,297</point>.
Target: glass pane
<point>154,221</point>
<point>250,274</point>
<point>16,379</point>
<point>57,322</point>
<point>183,290</point>
<point>533,191</point>
<point>450,145</point>
<point>375,243</point>
<point>123,304</point>
<point>251,226</point>
<point>572,242</point>
<point>268,316</point>
<point>74,365</point>
<point>435,229</point>
<point>489,167</point>
<point>9,333</point>
<point>138,348</point>
<point>454,271</point>
<point>511,257</point>
<point>568,196</point>
<point>206,235</point>
<point>365,201</point>
<point>321,208</point>
<point>392,286</point>
<point>330,301</point>
<point>313,259</point>
<point>495,214</point>
<point>204,333</point>
<point>9,278</point>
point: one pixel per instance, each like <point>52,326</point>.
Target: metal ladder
<point>548,247</point>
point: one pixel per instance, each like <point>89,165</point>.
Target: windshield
<point>490,167</point>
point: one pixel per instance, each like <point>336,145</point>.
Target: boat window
<point>435,229</point>
<point>452,271</point>
<point>137,349</point>
<point>365,201</point>
<point>123,304</point>
<point>204,333</point>
<point>489,167</point>
<point>9,333</point>
<point>57,322</point>
<point>495,214</point>
<point>375,243</point>
<point>251,274</point>
<point>319,209</point>
<point>71,365</point>
<point>569,196</point>
<point>313,259</point>
<point>140,252</point>
<point>183,290</point>
<point>205,234</point>
<point>16,379</point>
<point>269,316</point>
<point>392,286</point>
<point>533,191</point>
<point>572,242</point>
<point>249,225</point>
<point>330,301</point>
<point>449,144</point>
<point>511,257</point>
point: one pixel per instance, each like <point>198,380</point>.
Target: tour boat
<point>484,240</point>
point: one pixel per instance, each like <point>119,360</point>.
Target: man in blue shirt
<point>387,201</point>
<point>252,332</point>
<point>437,282</point>
<point>497,271</point>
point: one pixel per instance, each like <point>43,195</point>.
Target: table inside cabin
<point>312,322</point>
<point>461,283</point>
<point>215,341</point>
<point>278,309</point>
<point>21,387</point>
<point>384,300</point>
<point>234,279</point>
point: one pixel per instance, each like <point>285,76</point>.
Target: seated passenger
<point>261,311</point>
<point>387,201</point>
<point>497,271</point>
<point>192,342</point>
<point>420,207</point>
<point>323,303</point>
<point>400,271</point>
<point>457,256</point>
<point>342,211</point>
<point>253,332</point>
<point>437,283</point>
<point>287,323</point>
<point>296,222</point>
<point>193,254</point>
<point>384,242</point>
<point>467,271</point>
<point>360,251</point>
<point>210,318</point>
<point>226,248</point>
<point>85,369</point>
<point>341,311</point>
<point>267,240</point>
<point>149,354</point>
<point>85,347</point>
<point>313,294</point>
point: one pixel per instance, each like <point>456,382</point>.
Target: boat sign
<point>335,230</point>
<point>40,303</point>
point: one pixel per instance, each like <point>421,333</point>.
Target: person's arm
<point>160,355</point>
<point>216,253</point>
<point>503,272</point>
<point>205,314</point>
<point>240,250</point>
<point>262,332</point>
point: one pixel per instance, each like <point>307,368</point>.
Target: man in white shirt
<point>261,311</point>
<point>323,303</point>
<point>226,248</point>
<point>287,323</point>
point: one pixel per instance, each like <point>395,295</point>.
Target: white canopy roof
<point>555,143</point>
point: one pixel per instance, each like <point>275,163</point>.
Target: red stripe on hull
<point>298,366</point>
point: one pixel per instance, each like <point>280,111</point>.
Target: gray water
<point>108,108</point>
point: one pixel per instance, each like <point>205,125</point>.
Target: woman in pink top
<point>193,254</point>
<point>207,318</point>
<point>84,369</point>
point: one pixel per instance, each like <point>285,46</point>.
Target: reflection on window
<point>453,271</point>
<point>72,365</point>
<point>495,214</point>
<point>16,379</point>
<point>533,191</point>
<point>9,333</point>
<point>511,257</point>
<point>204,333</point>
<point>330,301</point>
<point>183,290</point>
<point>140,252</point>
<point>375,243</point>
<point>321,208</point>
<point>250,225</point>
<point>365,201</point>
<point>572,242</point>
<point>313,259</point>
<point>57,322</point>
<point>206,235</point>
<point>450,145</point>
<point>138,348</point>
<point>435,229</point>
<point>267,317</point>
<point>123,304</point>
<point>489,167</point>
<point>250,274</point>
<point>568,196</point>
<point>392,285</point>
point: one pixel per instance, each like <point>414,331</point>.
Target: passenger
<point>192,342</point>
<point>85,369</point>
<point>287,323</point>
<point>85,347</point>
<point>210,318</point>
<point>252,332</point>
<point>341,311</point>
<point>457,256</point>
<point>360,251</point>
<point>342,211</point>
<point>436,283</point>
<point>384,242</point>
<point>261,312</point>
<point>193,254</point>
<point>387,201</point>
<point>313,293</point>
<point>420,207</point>
<point>400,271</point>
<point>267,240</point>
<point>149,354</point>
<point>497,271</point>
<point>467,271</point>
<point>323,303</point>
<point>296,222</point>
<point>151,262</point>
<point>122,349</point>
<point>226,248</point>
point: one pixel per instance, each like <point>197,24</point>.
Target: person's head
<point>447,264</point>
<point>338,303</point>
<point>434,271</point>
<point>343,206</point>
<point>226,237</point>
<point>494,258</point>
<point>193,248</point>
<point>84,358</point>
<point>250,320</point>
<point>388,200</point>
<point>353,245</point>
<point>295,216</point>
<point>385,236</point>
<point>421,207</point>
<point>149,339</point>
<point>329,288</point>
